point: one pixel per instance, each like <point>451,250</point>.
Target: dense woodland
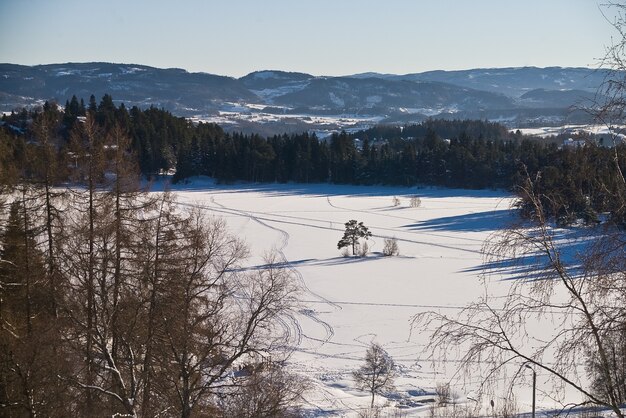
<point>116,302</point>
<point>461,153</point>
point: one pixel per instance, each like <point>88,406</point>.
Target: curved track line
<point>398,217</point>
<point>260,219</point>
<point>280,250</point>
<point>330,332</point>
<point>285,241</point>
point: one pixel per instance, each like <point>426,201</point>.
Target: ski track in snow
<point>310,222</point>
<point>309,313</point>
<point>351,350</point>
<point>254,215</point>
<point>377,213</point>
<point>405,239</point>
<point>332,228</point>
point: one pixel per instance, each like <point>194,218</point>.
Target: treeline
<point>479,155</point>
<point>576,183</point>
<point>116,302</point>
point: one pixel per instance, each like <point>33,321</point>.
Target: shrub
<point>363,249</point>
<point>391,247</point>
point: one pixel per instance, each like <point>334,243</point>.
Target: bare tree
<point>264,389</point>
<point>47,171</point>
<point>610,106</point>
<point>213,315</point>
<point>89,266</point>
<point>582,296</point>
<point>576,282</point>
<point>128,197</point>
<point>377,374</point>
<point>363,249</point>
<point>443,393</point>
<point>415,202</point>
<point>80,249</point>
<point>391,247</point>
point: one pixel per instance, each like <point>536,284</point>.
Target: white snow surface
<point>235,113</point>
<point>345,302</point>
<point>548,131</point>
<point>264,75</point>
<point>269,95</point>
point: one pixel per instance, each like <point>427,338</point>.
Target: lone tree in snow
<point>378,372</point>
<point>353,233</point>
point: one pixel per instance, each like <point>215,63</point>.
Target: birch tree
<point>377,374</point>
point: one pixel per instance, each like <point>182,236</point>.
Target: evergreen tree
<point>352,235</point>
<point>93,105</point>
<point>29,359</point>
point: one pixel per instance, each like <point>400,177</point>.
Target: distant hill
<point>512,82</point>
<point>283,101</point>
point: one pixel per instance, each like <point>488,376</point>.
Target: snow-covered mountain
<point>512,82</point>
<point>296,101</point>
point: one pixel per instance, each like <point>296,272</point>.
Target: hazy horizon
<point>320,38</point>
<point>261,70</point>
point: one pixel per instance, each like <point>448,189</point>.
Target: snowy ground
<point>232,118</point>
<point>347,303</point>
<point>570,129</point>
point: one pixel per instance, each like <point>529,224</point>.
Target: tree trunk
<point>29,324</point>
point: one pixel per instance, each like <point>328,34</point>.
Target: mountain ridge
<point>509,93</point>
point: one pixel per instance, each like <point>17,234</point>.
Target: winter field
<point>346,303</point>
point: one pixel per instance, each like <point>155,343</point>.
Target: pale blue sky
<point>321,37</point>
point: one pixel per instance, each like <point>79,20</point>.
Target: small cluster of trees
<point>355,231</point>
<point>577,185</point>
<point>116,302</point>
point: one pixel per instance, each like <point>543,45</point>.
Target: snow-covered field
<point>236,114</point>
<point>347,303</point>
<point>570,129</point>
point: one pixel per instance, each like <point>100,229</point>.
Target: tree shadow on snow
<point>471,222</point>
<point>316,262</point>
<point>206,184</point>
<point>572,244</point>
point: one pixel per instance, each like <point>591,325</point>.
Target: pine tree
<point>353,233</point>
